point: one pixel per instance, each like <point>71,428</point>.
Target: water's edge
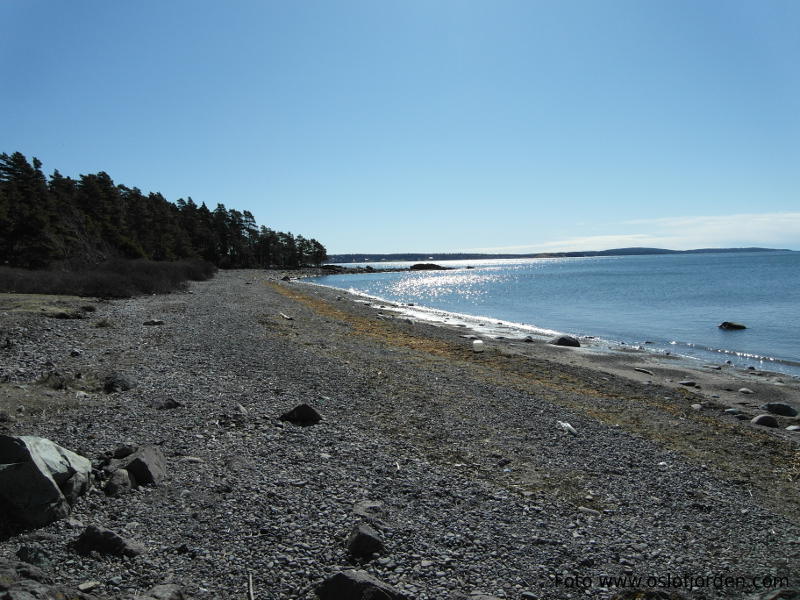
<point>492,328</point>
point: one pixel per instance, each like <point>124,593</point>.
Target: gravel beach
<point>459,461</point>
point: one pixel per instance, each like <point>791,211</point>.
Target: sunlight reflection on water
<point>463,284</point>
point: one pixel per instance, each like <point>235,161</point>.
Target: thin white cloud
<point>774,230</point>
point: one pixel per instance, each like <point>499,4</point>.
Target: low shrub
<point>112,279</point>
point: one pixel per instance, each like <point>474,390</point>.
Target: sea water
<point>669,303</point>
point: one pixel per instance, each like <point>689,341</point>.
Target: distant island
<point>414,257</point>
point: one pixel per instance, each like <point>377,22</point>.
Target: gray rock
<point>364,541</point>
<point>764,421</point>
<point>793,428</point>
<point>745,390</point>
<point>121,482</point>
<point>147,465</point>
<point>356,585</point>
<point>565,340</point>
<point>33,471</point>
<point>688,383</point>
<point>302,415</point>
<point>152,322</point>
<point>779,408</point>
<point>105,541</point>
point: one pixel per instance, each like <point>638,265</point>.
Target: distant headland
<point>413,257</point>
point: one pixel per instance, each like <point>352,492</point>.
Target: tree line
<point>63,221</point>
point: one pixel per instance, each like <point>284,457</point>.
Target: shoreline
<point>478,487</point>
<point>716,383</point>
<point>663,343</point>
<point>493,329</point>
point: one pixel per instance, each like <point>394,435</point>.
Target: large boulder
<point>35,473</point>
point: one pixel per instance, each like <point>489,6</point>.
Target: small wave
<point>751,356</point>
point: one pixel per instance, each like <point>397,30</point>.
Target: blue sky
<point>427,126</point>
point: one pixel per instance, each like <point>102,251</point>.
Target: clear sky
<point>427,125</point>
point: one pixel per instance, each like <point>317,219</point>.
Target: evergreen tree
<point>85,221</point>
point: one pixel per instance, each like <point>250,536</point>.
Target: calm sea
<point>665,303</point>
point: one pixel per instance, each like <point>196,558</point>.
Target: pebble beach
<point>459,461</point>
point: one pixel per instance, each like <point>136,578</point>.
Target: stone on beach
<point>764,421</point>
<point>565,340</point>
<point>34,472</point>
<point>302,415</point>
<point>356,585</point>
<point>147,465</point>
<point>105,541</point>
<point>364,541</point>
<point>779,408</point>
